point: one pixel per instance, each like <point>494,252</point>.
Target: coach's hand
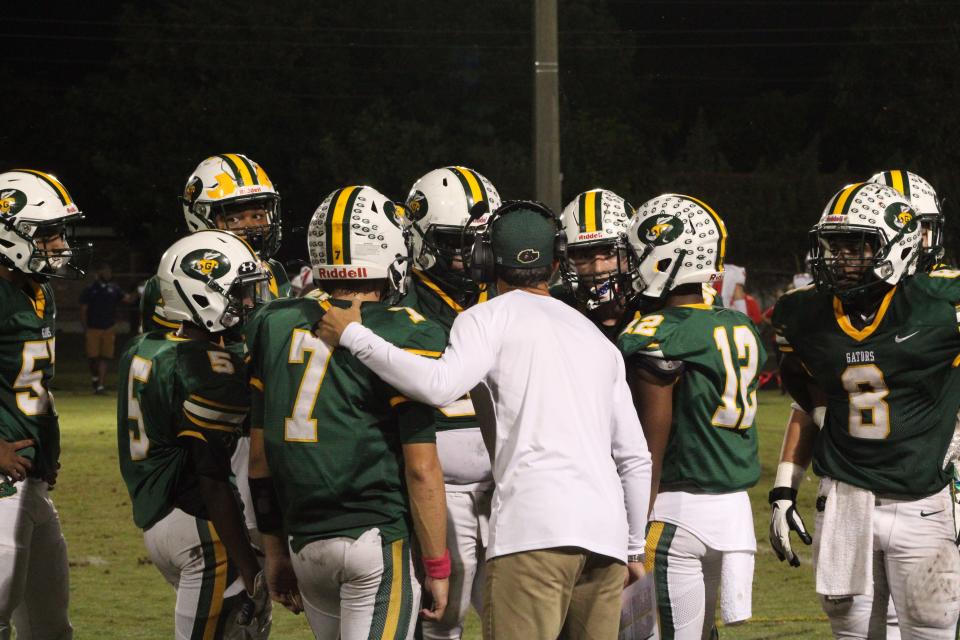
<point>784,517</point>
<point>334,321</point>
<point>635,571</point>
<point>12,465</point>
<point>437,590</point>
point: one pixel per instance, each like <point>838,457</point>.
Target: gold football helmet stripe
<point>52,182</point>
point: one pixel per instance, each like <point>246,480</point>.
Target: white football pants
<point>34,578</point>
<point>687,574</point>
<point>191,557</point>
<point>358,589</point>
<point>468,515</point>
<point>916,561</point>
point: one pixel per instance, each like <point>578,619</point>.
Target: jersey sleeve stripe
<point>213,415</point>
<point>956,361</point>
<point>256,383</point>
<point>425,352</point>
<point>397,400</point>
<point>192,434</point>
<point>218,405</point>
<point>209,425</point>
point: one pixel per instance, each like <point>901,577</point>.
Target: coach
<point>570,463</point>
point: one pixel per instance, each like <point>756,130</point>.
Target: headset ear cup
<point>481,260</point>
<point>560,246</point>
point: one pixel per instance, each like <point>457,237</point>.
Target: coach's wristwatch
<point>635,557</point>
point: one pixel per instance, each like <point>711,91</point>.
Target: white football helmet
<point>211,278</point>
<point>675,240</point>
<point>357,233</point>
<point>439,205</point>
<point>923,198</point>
<point>35,205</point>
<point>868,235</point>
<point>232,179</point>
<point>596,220</point>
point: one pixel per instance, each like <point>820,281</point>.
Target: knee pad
<point>933,589</point>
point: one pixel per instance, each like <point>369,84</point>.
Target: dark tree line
<point>761,109</point>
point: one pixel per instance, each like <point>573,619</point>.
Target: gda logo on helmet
<point>660,230</point>
<point>417,205</point>
<point>900,216</point>
<point>12,201</point>
<point>204,264</point>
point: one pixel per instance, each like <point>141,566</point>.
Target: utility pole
<point>546,111</point>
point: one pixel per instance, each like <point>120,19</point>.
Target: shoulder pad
<point>943,284</point>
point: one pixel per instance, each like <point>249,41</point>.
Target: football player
<point>182,400</point>
<point>340,462</point>
<point>36,211</point>
<point>227,191</point>
<point>923,198</point>
<point>694,372</point>
<point>870,354</point>
<point>439,204</point>
<point>594,270</point>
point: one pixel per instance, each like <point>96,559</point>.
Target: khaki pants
<point>100,343</point>
<point>564,592</point>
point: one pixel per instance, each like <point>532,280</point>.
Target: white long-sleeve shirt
<point>571,466</point>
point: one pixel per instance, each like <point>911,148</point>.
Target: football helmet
<point>868,236</point>
<point>35,207</point>
<point>595,224</point>
<point>439,205</point>
<point>211,278</point>
<point>675,240</point>
<point>222,183</point>
<point>357,233</point>
<point>923,198</point>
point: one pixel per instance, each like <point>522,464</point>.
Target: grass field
<point>117,594</point>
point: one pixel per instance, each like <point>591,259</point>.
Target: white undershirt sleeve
<point>632,457</point>
<point>466,360</point>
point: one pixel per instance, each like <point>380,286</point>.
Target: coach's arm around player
<point>565,434</point>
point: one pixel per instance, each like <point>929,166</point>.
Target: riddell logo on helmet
<point>590,236</point>
<point>337,273</point>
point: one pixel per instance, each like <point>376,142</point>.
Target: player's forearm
<point>274,545</point>
<point>428,506</point>
<point>654,404</point>
<point>798,439</point>
<point>224,513</point>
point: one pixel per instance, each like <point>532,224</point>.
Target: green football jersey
<point>171,390</point>
<point>27,359</point>
<point>892,387</point>
<point>332,429</point>
<point>151,302</point>
<point>713,442</point>
<point>429,299</point>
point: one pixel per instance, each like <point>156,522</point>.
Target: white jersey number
<point>139,443</point>
<point>869,416</point>
<point>301,426</point>
<point>34,400</point>
<point>739,403</point>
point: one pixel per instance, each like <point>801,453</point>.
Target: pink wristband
<point>438,568</point>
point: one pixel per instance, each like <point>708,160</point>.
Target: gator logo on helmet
<point>527,256</point>
<point>900,216</point>
<point>204,264</point>
<point>417,205</point>
<point>12,201</point>
<point>660,230</point>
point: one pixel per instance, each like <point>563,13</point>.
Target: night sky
<point>727,99</point>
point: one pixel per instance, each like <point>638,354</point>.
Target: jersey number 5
<point>301,426</point>
<point>739,403</point>
<point>139,443</point>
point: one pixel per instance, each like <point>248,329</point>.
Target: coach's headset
<point>481,266</point>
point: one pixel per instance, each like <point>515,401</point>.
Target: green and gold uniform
<point>430,300</point>
<point>892,387</point>
<point>712,446</point>
<point>332,429</point>
<point>174,391</point>
<point>26,367</point>
<point>151,303</point>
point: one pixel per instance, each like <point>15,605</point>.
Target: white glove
<point>784,516</point>
<point>255,608</point>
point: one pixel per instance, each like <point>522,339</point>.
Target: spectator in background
<point>98,316</point>
<point>734,293</point>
